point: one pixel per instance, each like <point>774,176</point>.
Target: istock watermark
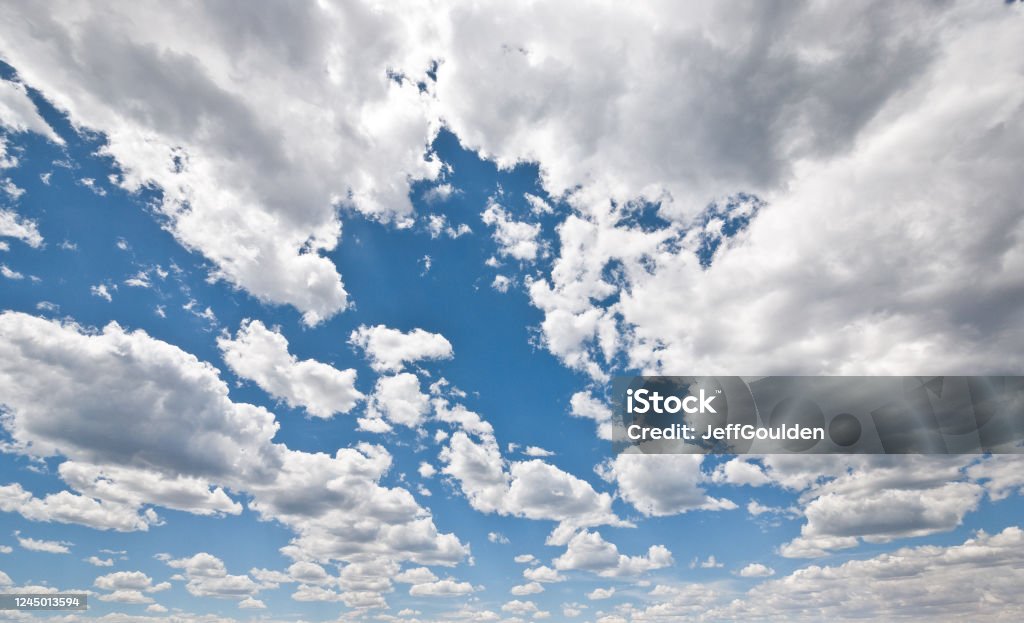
<point>818,415</point>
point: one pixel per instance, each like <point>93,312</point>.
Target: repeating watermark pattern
<point>820,415</point>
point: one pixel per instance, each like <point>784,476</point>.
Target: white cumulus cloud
<point>390,349</point>
<point>261,355</point>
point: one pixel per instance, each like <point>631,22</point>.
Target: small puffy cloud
<point>309,573</point>
<point>416,575</point>
<point>756,570</point>
<point>101,291</point>
<point>388,350</point>
<point>251,603</point>
<point>525,559</point>
<point>583,404</point>
<point>543,574</point>
<point>374,425</point>
<point>364,600</point>
<point>641,483</point>
<point>306,592</point>
<point>816,547</point>
<point>270,578</point>
<point>439,193</point>
<point>400,400</point>
<point>441,588</point>
<point>710,563</point>
<point>96,561</point>
<point>537,204</point>
<point>530,588</point>
<point>8,273</point>
<point>207,576</point>
<point>601,593</point>
<point>261,355</point>
<point>37,545</point>
<point>532,489</point>
<point>458,414</point>
<point>757,509</point>
<point>501,283</point>
<point>13,190</point>
<point>426,470</point>
<point>739,471</point>
<point>438,225</point>
<point>193,307</point>
<point>14,226</point>
<point>537,452</point>
<point>588,551</point>
<point>67,507</point>
<point>139,280</point>
<point>128,580</point>
<point>199,565</point>
<point>497,537</point>
<point>515,239</point>
<point>19,114</point>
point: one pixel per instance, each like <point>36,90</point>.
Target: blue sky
<point>539,246</point>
